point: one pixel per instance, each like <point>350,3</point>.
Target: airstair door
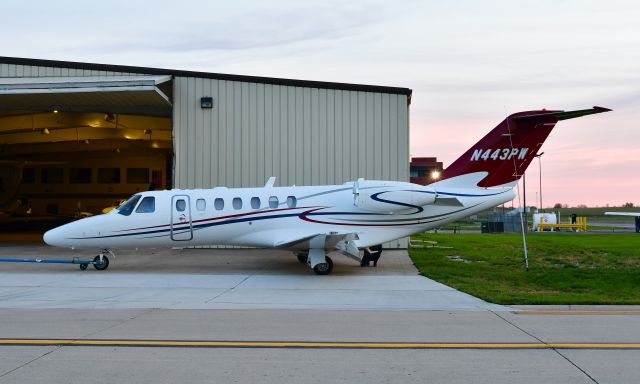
<point>181,225</point>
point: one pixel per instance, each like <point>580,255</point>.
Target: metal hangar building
<point>75,137</point>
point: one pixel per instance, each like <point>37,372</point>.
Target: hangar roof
<point>206,75</point>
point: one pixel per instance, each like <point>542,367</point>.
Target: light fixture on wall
<point>206,102</point>
<point>45,131</point>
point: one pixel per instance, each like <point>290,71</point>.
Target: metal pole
<point>525,225</point>
<point>539,156</point>
<point>540,170</point>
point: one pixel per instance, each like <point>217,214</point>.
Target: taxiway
<point>196,316</point>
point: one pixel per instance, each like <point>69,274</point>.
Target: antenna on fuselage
<point>270,182</point>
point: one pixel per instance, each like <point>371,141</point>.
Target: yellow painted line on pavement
<point>579,312</point>
<point>305,344</point>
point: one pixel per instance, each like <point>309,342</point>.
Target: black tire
<point>83,267</point>
<point>302,257</point>
<point>101,266</point>
<point>324,268</point>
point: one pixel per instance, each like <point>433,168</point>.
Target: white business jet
<point>314,220</point>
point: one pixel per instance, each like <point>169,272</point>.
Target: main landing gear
<point>317,260</point>
<point>100,262</point>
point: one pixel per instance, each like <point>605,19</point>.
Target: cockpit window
<point>147,205</point>
<point>126,208</point>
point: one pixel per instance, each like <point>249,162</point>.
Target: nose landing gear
<point>100,262</point>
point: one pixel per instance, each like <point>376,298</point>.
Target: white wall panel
<point>304,136</point>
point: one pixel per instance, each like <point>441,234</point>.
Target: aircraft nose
<point>52,237</point>
<point>49,237</point>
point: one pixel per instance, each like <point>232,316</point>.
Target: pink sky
<point>469,63</point>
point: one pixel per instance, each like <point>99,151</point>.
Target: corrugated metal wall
<point>12,70</point>
<point>304,136</point>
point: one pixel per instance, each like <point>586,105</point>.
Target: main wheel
<point>101,266</point>
<point>324,268</point>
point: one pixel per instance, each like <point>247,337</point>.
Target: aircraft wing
<point>343,242</point>
<point>305,242</point>
<point>635,214</point>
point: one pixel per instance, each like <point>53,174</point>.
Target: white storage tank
<point>546,218</point>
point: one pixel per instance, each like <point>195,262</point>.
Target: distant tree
<point>565,205</point>
<point>557,206</point>
<point>627,205</point>
<point>581,206</point>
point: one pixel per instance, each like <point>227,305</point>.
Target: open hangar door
<point>72,146</point>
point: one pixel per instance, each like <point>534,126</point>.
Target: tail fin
<point>506,152</point>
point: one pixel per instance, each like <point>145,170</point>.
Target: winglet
<point>270,182</point>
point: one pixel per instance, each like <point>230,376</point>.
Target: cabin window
<point>126,208</point>
<point>273,202</point>
<point>201,204</point>
<point>292,201</point>
<point>255,202</point>
<point>29,175</point>
<point>147,205</point>
<point>108,175</point>
<point>218,203</point>
<point>237,203</point>
<point>137,175</point>
<point>181,205</point>
<point>52,175</point>
<point>80,176</point>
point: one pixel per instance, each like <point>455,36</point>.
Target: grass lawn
<point>564,268</point>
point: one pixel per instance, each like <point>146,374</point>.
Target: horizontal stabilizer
<point>563,115</point>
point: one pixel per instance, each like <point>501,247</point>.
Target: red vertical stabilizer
<point>506,151</point>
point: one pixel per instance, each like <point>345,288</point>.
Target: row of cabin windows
<point>236,203</point>
<point>148,204</point>
<point>55,175</point>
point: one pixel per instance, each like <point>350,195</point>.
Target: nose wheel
<point>101,262</point>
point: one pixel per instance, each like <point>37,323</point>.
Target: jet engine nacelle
<point>393,201</point>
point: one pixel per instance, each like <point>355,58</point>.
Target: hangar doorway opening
<point>73,146</point>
